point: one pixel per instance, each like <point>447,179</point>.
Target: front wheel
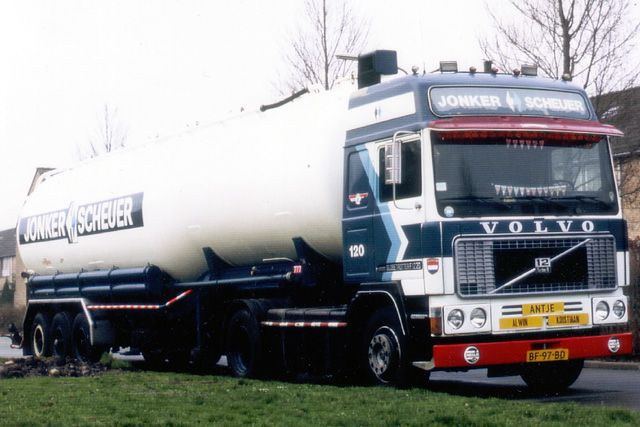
<point>552,377</point>
<point>384,357</point>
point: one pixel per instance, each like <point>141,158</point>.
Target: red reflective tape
<point>305,324</point>
<point>182,295</point>
<point>124,307</point>
<point>137,306</point>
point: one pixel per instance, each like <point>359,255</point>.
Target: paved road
<point>596,386</point>
<point>6,350</point>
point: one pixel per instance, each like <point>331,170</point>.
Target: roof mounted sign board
<point>447,101</point>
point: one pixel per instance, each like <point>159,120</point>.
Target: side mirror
<point>393,162</point>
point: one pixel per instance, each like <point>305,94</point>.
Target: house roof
<point>620,109</point>
<point>8,243</point>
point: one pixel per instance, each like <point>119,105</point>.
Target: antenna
<point>347,57</point>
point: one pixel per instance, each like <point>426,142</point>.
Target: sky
<point>166,65</point>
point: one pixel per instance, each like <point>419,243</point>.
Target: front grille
<point>580,263</point>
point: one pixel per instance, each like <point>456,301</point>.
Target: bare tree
<point>584,40</point>
<point>109,134</point>
<point>328,27</point>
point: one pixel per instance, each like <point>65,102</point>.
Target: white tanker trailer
<point>244,187</point>
<point>381,230</point>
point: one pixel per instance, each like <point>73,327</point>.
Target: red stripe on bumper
<point>502,353</point>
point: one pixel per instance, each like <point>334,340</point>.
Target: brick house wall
<point>620,109</point>
<point>11,267</point>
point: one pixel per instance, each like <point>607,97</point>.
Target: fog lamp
<point>614,344</point>
<point>472,355</point>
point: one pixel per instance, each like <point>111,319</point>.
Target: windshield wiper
<point>547,200</point>
<point>489,200</point>
<point>592,199</point>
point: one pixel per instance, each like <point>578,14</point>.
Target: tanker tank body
<point>244,187</point>
<point>161,246</point>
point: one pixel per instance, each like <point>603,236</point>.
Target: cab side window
<point>411,185</point>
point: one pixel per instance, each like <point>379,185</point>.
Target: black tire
<point>383,352</point>
<point>552,377</point>
<point>244,345</point>
<point>41,336</point>
<point>81,347</point>
<point>61,335</point>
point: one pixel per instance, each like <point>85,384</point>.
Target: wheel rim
<point>383,354</point>
<point>38,341</point>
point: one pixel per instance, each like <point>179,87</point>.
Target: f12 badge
<point>543,265</point>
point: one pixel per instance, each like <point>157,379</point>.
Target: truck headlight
<point>602,310</point>
<point>478,318</point>
<point>455,319</point>
<point>619,309</point>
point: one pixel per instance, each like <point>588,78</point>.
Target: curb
<point>626,366</point>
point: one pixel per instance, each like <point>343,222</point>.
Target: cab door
<point>358,211</point>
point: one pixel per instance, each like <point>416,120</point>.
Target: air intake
<point>372,66</point>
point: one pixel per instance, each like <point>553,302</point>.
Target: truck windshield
<point>504,174</point>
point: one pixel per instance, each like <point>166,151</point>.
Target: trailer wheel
<point>81,347</point>
<point>41,336</point>
<point>244,346</point>
<point>552,377</point>
<point>383,354</point>
<point>61,335</point>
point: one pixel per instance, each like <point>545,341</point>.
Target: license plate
<point>545,308</point>
<point>521,322</point>
<point>548,355</point>
<point>569,319</point>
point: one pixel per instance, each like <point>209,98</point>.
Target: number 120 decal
<point>356,251</point>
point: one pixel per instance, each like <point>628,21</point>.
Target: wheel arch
<point>372,298</point>
<point>258,307</point>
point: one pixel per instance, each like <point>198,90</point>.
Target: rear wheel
<point>552,377</point>
<point>244,345</point>
<point>61,335</point>
<point>81,347</point>
<point>41,336</point>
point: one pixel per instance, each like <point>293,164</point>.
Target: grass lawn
<point>178,399</point>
